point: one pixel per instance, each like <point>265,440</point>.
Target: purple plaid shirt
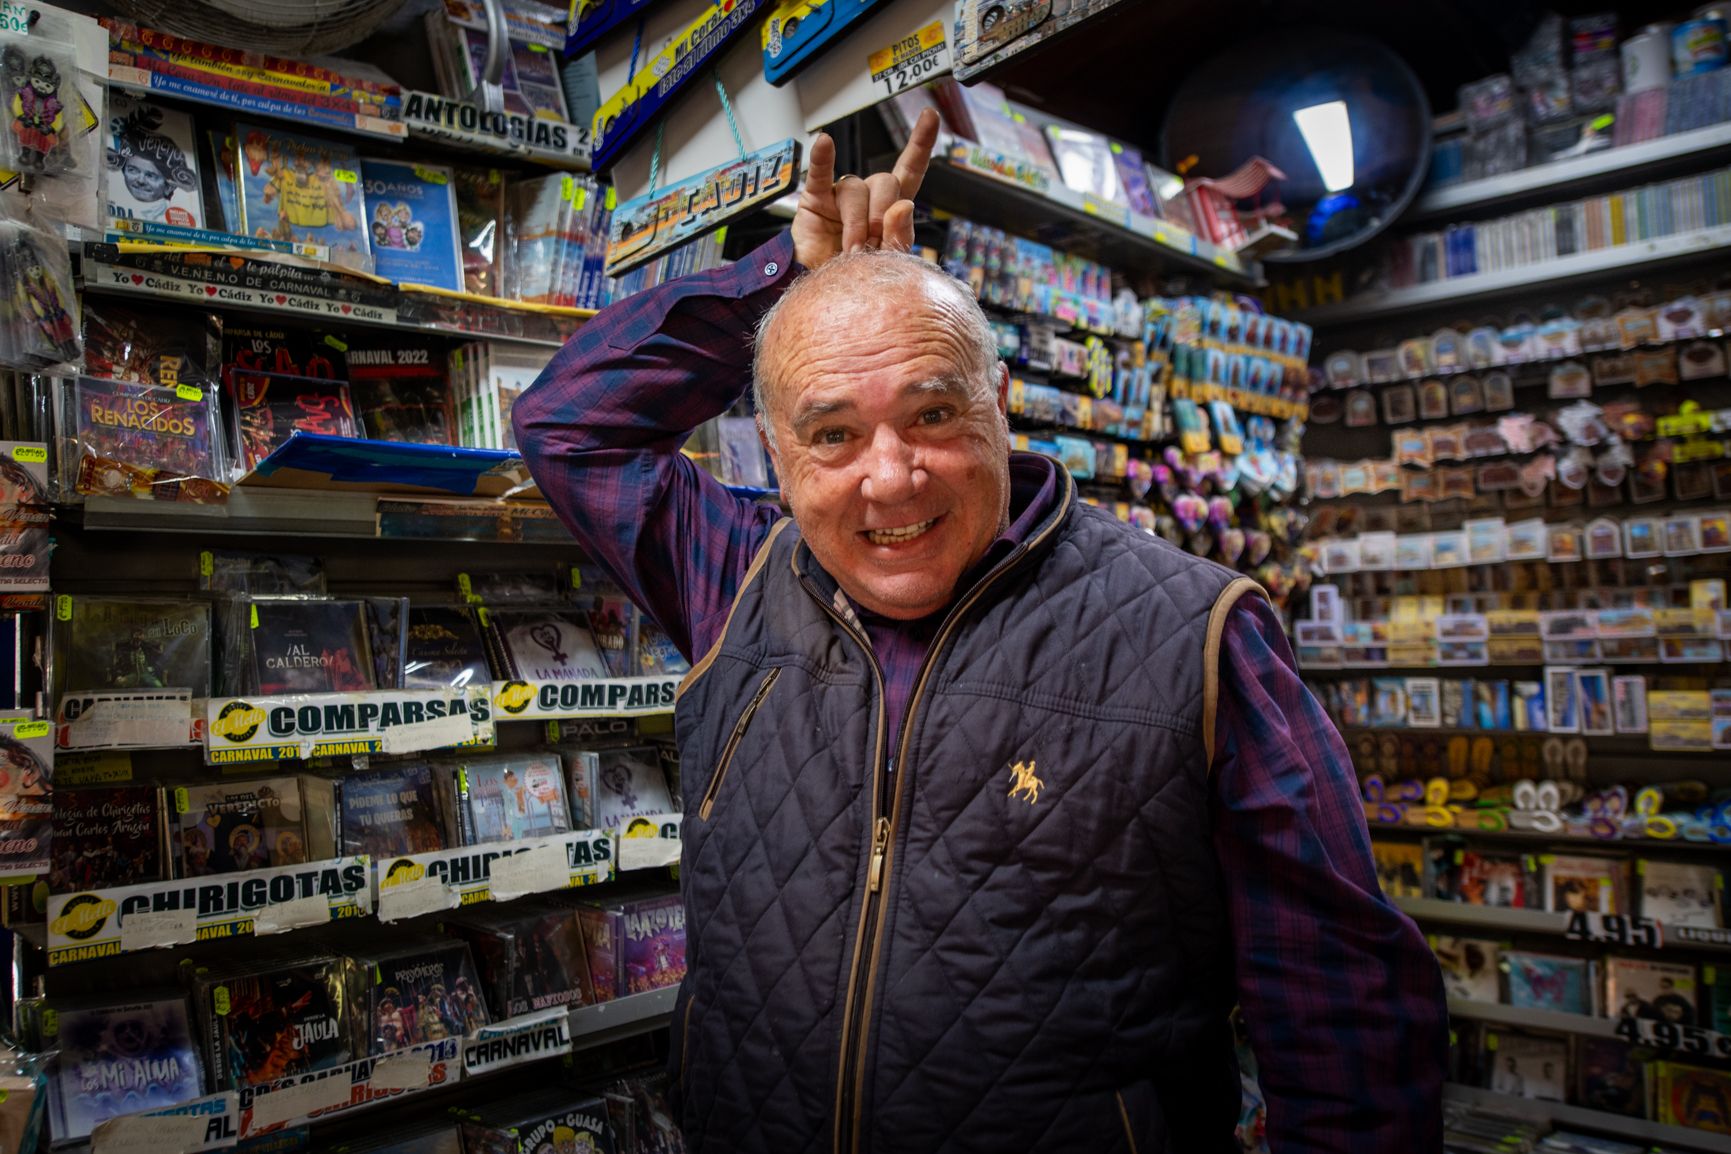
<point>1342,997</point>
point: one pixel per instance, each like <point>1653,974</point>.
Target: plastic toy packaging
<point>41,313</point>
<point>37,83</point>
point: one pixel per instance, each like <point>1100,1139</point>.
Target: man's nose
<point>892,472</point>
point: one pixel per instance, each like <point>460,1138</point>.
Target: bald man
<point>994,807</point>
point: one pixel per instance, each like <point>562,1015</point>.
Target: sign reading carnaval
<point>89,924</point>
<point>629,112</point>
<point>799,29</point>
<point>644,228</point>
<point>340,724</point>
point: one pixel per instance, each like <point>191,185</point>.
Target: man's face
<point>893,455</point>
<point>143,180</point>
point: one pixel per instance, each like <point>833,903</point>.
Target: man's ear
<point>768,444</point>
<point>1003,389</point>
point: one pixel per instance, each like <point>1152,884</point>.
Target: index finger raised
<point>911,165</point>
<point>820,165</point>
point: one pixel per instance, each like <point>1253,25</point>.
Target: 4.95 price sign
<point>912,60</point>
<point>1615,930</point>
<point>1665,1035</point>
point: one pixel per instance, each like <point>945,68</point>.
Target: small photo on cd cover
<point>1654,991</point>
<point>412,222</point>
<point>152,161</point>
<point>629,783</point>
<point>1528,1067</point>
<point>445,649</point>
<point>107,836</point>
<point>1399,867</point>
<point>1577,883</point>
<point>400,389</point>
<point>1493,879</point>
<point>1549,982</point>
<point>1609,1077</point>
<point>126,643</point>
<point>120,1057</point>
<point>511,798</point>
<point>308,646</point>
<point>289,1020</point>
<point>269,408</point>
<point>302,189</point>
<point>389,812</point>
<point>548,644</point>
<point>1681,893</point>
<point>222,827</point>
<point>419,993</point>
<point>1471,968</point>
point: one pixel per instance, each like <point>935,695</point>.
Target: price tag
<point>149,1134</point>
<point>15,18</point>
<point>403,1071</point>
<point>153,929</point>
<point>1615,929</point>
<point>1665,1035</point>
<point>912,60</point>
<point>189,392</point>
<point>294,914</point>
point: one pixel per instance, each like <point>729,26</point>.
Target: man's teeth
<point>897,536</point>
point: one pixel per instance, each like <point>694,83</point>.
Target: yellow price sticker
<point>182,802</point>
<point>189,392</point>
<point>336,342</point>
<point>346,175</point>
<point>62,608</point>
<point>31,454</point>
<point>206,563</point>
<point>30,730</point>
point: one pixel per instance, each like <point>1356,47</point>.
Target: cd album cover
<point>1581,883</point>
<point>1470,967</point>
<point>120,1058</point>
<point>1655,991</point>
<point>282,1022</point>
<point>548,644</point>
<point>152,163</point>
<point>412,221</point>
<point>1681,893</point>
<point>269,408</point>
<point>1609,1077</point>
<point>110,836</point>
<point>389,812</point>
<point>419,993</point>
<point>1549,982</point>
<point>400,390</point>
<point>388,639</point>
<point>528,961</point>
<point>1489,879</point>
<point>1692,1096</point>
<point>445,648</point>
<point>541,1123</point>
<point>510,798</point>
<point>222,827</point>
<point>629,783</point>
<point>308,646</point>
<point>1399,867</point>
<point>146,426</point>
<point>1530,1067</point>
<point>657,655</point>
<point>301,189</point>
<point>120,643</point>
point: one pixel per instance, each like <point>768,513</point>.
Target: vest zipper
<point>733,740</point>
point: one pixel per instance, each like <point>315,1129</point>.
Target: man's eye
<point>832,437</point>
<point>934,416</point>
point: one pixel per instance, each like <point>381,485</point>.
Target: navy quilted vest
<point>1016,940</point>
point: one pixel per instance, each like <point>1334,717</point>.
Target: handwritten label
<point>530,872</point>
<point>154,929</point>
<point>439,733</point>
<point>403,1071</point>
<point>15,18</point>
<point>149,1134</point>
<point>294,914</point>
<point>912,60</point>
<point>412,899</point>
<point>301,1100</point>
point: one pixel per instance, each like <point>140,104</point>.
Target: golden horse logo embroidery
<point>1026,785</point>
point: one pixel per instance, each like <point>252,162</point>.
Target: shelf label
<point>137,719</point>
<point>1001,167</point>
<point>91,923</point>
<point>564,861</point>
<point>347,1087</point>
<point>553,141</point>
<point>515,1041</point>
<point>210,1123</point>
<point>602,697</point>
<point>414,897</point>
<point>1615,929</point>
<point>912,60</point>
<point>647,226</point>
<point>650,842</point>
<point>1664,1035</point>
<point>273,290</point>
<point>342,724</point>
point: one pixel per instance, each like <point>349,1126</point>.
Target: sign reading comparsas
<point>609,697</point>
<point>93,923</point>
<point>338,724</point>
<point>644,228</point>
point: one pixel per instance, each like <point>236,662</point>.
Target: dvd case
<point>1692,1096</point>
<point>388,812</point>
<point>418,992</point>
<point>388,639</point>
<point>274,1020</point>
<point>1549,982</point>
<point>1650,990</point>
<point>445,649</point>
<point>304,190</point>
<point>111,643</point>
<point>238,825</point>
<point>1471,967</point>
<point>412,211</point>
<point>529,959</point>
<point>547,644</point>
<point>107,836</point>
<point>634,944</point>
<point>1529,1067</point>
<point>629,783</point>
<point>152,163</point>
<point>512,797</point>
<point>118,1057</point>
<point>1681,893</point>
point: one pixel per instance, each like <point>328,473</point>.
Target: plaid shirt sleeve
<point>1341,995</point>
<point>601,430</point>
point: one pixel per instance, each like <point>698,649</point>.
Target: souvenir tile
<point>1499,391</point>
<point>1466,395</point>
<point>1433,400</point>
<point>1399,405</point>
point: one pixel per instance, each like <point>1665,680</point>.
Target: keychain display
<point>42,308</point>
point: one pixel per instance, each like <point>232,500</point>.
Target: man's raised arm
<point>602,427</point>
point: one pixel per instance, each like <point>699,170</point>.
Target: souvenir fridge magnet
<point>1448,350</point>
<point>1381,366</point>
<point>1641,537</point>
<point>1482,348</point>
<point>1466,395</point>
<point>1570,379</point>
<point>1604,538</point>
<point>1499,392</point>
<point>1700,360</point>
<point>1433,400</point>
<point>1715,532</point>
<point>1399,405</point>
<point>1414,357</point>
<point>1360,409</point>
<point>1342,369</point>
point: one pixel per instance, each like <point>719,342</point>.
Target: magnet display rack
<point>1665,267</point>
